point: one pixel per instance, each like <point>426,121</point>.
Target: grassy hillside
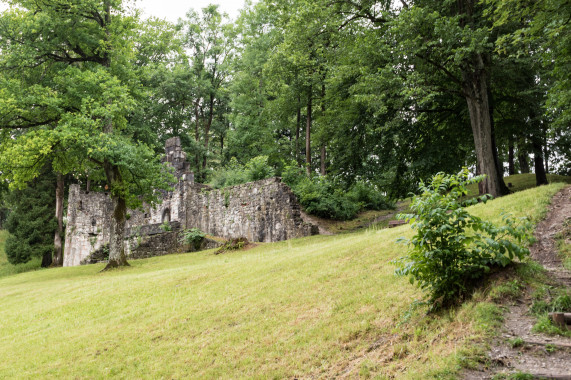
<point>315,307</point>
<point>521,182</point>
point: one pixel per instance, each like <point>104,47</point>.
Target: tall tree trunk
<point>297,131</point>
<point>197,139</point>
<point>58,253</point>
<point>207,131</point>
<point>476,89</point>
<point>540,176</point>
<point>545,152</point>
<point>308,134</point>
<point>323,152</point>
<point>511,157</point>
<point>117,255</point>
<point>523,159</point>
<point>499,164</point>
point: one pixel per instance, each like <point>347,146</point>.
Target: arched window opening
<point>166,216</point>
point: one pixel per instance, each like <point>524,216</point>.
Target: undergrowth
<point>7,269</point>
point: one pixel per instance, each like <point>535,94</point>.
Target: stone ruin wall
<point>262,211</point>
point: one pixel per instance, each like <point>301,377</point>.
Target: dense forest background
<point>357,98</point>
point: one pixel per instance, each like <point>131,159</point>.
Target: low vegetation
<point>453,250</point>
<point>322,306</point>
<point>6,268</point>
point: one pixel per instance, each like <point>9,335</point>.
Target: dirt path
<point>543,356</point>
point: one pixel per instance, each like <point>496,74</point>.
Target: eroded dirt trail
<point>544,356</point>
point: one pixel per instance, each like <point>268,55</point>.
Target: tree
<point>440,47</point>
<point>31,221</point>
<point>69,96</point>
<point>210,40</point>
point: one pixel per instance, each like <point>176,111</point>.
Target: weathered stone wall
<point>262,211</point>
<point>89,213</point>
<point>87,226</point>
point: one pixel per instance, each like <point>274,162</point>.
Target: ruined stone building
<point>261,211</point>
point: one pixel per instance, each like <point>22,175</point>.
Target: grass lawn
<point>521,182</point>
<point>322,306</point>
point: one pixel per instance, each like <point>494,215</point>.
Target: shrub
<point>319,196</point>
<point>369,197</point>
<point>452,249</point>
<point>258,168</point>
<point>193,237</point>
<point>323,196</point>
<point>293,174</point>
<point>235,173</point>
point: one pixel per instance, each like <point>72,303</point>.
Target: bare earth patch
<point>540,355</point>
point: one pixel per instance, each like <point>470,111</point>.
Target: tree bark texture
<point>207,132</point>
<point>523,161</point>
<point>545,153</point>
<point>323,153</point>
<point>117,255</point>
<point>540,175</point>
<point>511,157</point>
<point>308,135</point>
<point>58,252</point>
<point>476,90</point>
<point>297,131</point>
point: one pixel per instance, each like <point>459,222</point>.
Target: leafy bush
<point>258,168</point>
<point>452,249</point>
<point>369,197</point>
<point>193,237</point>
<point>319,196</point>
<point>324,197</point>
<point>235,173</point>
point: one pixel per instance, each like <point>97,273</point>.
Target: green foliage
<point>192,236</point>
<point>516,342</point>
<point>548,300</point>
<point>453,249</point>
<point>232,245</point>
<point>258,168</point>
<point>324,197</point>
<point>31,222</point>
<point>166,226</point>
<point>545,325</point>
<point>369,197</point>
<point>235,174</point>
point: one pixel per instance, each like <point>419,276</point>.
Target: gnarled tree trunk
<point>476,93</point>
<point>117,256</point>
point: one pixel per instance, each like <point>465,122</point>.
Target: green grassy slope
<point>521,182</point>
<point>319,306</point>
